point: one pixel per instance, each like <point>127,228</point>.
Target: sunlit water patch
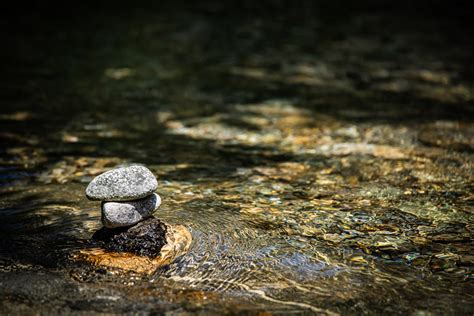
<point>311,182</point>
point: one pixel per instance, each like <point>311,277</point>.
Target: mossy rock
<point>142,248</point>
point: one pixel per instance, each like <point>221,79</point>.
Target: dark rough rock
<point>123,214</point>
<point>122,184</point>
<point>144,239</point>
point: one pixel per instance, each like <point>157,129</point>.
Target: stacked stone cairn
<point>132,238</point>
<point>127,194</point>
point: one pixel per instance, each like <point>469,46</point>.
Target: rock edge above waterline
<point>177,242</point>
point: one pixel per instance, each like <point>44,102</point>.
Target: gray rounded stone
<point>122,184</point>
<point>123,214</point>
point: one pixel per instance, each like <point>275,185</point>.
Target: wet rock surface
<point>177,241</point>
<point>147,238</point>
<point>123,214</point>
<point>321,158</point>
<point>122,184</point>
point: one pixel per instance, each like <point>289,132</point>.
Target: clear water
<point>320,167</point>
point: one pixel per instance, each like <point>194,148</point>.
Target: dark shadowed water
<point>322,157</point>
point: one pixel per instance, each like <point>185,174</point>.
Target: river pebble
<point>122,184</point>
<point>123,214</point>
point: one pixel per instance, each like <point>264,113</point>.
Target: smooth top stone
<point>122,184</point>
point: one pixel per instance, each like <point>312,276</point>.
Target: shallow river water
<point>323,162</point>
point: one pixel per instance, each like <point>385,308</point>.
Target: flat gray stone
<point>122,184</point>
<point>123,214</point>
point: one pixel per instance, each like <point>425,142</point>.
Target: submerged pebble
<point>122,184</point>
<point>122,214</point>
